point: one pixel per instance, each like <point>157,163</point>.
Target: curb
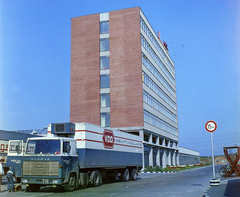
<point>167,172</point>
<point>205,194</point>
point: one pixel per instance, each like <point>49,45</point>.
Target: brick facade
<point>126,93</point>
<point>125,68</point>
<point>85,77</point>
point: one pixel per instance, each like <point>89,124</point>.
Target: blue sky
<point>203,38</point>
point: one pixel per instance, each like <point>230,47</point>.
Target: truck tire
<point>96,178</point>
<point>84,180</point>
<point>134,175</point>
<point>125,176</point>
<point>70,186</point>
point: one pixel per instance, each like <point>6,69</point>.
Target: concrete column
<point>177,154</point>
<point>177,157</point>
<point>141,134</point>
<point>158,157</point>
<point>164,158</point>
<point>173,157</point>
<point>151,156</point>
<point>169,157</point>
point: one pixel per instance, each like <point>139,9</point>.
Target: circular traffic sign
<point>211,126</point>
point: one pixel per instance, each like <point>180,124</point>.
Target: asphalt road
<point>189,183</point>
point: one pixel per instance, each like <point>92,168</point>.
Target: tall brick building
<point>123,77</point>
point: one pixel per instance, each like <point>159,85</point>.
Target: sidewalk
<point>229,187</point>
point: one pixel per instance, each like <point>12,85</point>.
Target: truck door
<point>70,159</point>
<point>15,148</point>
<point>15,157</point>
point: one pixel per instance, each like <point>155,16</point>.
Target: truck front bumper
<point>41,181</point>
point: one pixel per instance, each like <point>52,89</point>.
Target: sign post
<point>211,126</point>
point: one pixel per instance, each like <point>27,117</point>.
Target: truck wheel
<point>125,176</point>
<point>70,186</point>
<point>134,175</point>
<point>96,179</point>
<point>84,180</point>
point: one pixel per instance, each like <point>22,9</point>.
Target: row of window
<point>153,86</point>
<point>155,42</point>
<point>158,106</point>
<point>157,74</point>
<point>104,79</point>
<point>157,122</point>
<point>155,57</point>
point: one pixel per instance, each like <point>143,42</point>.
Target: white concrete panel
<point>188,151</point>
<point>104,16</point>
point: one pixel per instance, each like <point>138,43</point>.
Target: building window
<point>105,119</point>
<point>160,141</point>
<point>146,137</point>
<point>154,139</point>
<point>104,62</point>
<point>104,27</point>
<point>104,81</point>
<point>157,122</point>
<point>104,44</point>
<point>105,100</point>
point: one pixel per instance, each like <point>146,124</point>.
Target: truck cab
<point>47,161</point>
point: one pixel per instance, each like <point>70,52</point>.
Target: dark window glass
<point>105,100</point>
<point>104,81</point>
<point>105,119</point>
<point>104,62</point>
<point>104,44</point>
<point>104,27</point>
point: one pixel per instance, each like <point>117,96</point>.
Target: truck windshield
<point>43,147</point>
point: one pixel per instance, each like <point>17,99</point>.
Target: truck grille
<point>42,168</point>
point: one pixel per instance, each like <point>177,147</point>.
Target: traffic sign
<point>108,139</point>
<point>211,126</point>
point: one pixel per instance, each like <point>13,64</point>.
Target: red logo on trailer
<point>108,139</point>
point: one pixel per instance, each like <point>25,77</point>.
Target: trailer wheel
<point>125,176</point>
<point>134,175</point>
<point>70,186</point>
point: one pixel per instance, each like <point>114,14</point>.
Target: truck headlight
<point>55,182</point>
<point>24,180</point>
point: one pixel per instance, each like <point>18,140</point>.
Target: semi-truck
<point>75,155</point>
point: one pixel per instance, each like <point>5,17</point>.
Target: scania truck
<point>75,155</point>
